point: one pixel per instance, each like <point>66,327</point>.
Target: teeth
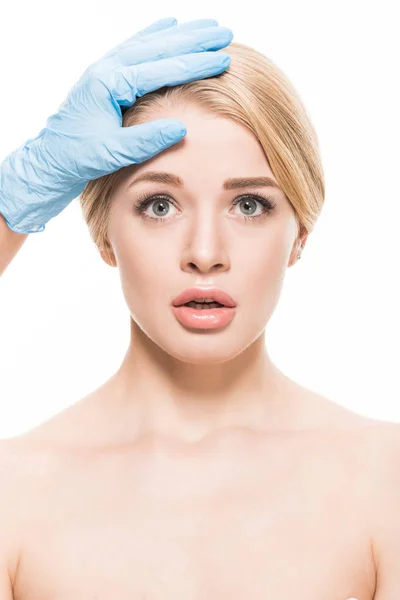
<point>202,305</point>
<point>203,300</point>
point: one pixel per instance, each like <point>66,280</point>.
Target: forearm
<point>10,243</point>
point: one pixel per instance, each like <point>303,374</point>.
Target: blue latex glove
<point>84,140</point>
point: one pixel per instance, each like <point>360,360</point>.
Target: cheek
<point>263,263</point>
<point>144,266</point>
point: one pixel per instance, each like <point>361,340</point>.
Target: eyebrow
<point>229,184</point>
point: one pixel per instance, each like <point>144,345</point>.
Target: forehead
<point>214,148</point>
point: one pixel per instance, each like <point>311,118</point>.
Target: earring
<point>301,248</point>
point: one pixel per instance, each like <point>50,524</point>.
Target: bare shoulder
<point>376,445</point>
<point>382,453</point>
<point>11,494</point>
<point>382,447</point>
<point>24,473</point>
<point>10,469</point>
<point>371,452</point>
<point>379,452</point>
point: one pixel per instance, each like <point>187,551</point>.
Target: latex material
<point>84,140</point>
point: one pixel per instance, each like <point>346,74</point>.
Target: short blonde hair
<point>254,92</point>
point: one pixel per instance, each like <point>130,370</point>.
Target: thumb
<point>137,143</point>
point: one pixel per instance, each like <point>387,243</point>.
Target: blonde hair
<point>254,92</point>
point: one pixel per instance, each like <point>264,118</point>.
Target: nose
<point>206,247</point>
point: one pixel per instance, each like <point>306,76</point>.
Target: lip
<point>203,293</point>
<point>213,318</point>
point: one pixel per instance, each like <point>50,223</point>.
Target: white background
<point>64,325</point>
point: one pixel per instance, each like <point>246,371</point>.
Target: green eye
<point>267,203</point>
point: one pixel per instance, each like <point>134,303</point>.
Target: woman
<point>199,469</point>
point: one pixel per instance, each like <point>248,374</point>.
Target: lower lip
<point>204,318</point>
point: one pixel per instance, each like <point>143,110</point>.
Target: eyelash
<point>144,200</point>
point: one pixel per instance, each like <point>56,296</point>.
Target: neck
<point>158,394</point>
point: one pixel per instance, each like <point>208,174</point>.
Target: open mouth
<point>203,305</point>
<point>204,315</point>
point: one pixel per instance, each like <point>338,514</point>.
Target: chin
<point>205,350</point>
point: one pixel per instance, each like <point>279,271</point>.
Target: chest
<point>284,527</point>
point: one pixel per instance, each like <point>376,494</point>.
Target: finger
<point>182,42</point>
<point>160,25</point>
<point>156,27</point>
<point>187,26</point>
<point>128,83</point>
<point>154,46</point>
<point>137,143</point>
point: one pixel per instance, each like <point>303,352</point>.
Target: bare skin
<point>199,470</point>
<point>280,513</point>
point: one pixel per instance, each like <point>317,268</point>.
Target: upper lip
<point>203,293</point>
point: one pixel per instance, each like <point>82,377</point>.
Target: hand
<point>84,140</point>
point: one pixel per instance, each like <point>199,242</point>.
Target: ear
<point>298,246</point>
<point>107,254</point>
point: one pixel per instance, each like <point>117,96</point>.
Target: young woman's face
<point>202,234</point>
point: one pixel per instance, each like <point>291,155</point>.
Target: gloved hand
<point>84,140</point>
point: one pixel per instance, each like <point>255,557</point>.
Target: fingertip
<point>225,60</point>
<point>170,20</point>
<point>229,33</point>
<point>166,21</point>
<point>174,129</point>
<point>218,62</point>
